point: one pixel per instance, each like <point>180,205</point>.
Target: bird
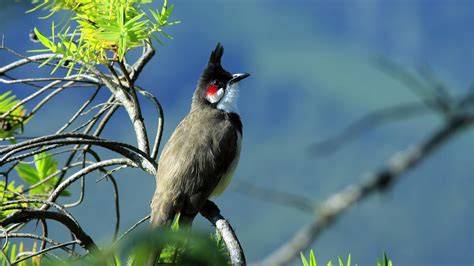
<point>199,159</point>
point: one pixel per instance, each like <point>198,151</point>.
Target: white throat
<point>228,103</point>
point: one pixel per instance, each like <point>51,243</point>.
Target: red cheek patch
<point>211,90</point>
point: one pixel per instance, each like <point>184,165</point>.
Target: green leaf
<point>28,173</point>
<point>339,259</point>
<point>312,259</point>
<point>44,168</point>
<point>117,261</point>
<point>44,40</point>
<point>13,251</point>
<point>303,259</point>
<point>349,260</point>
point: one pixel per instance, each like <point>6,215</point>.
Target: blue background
<point>313,72</point>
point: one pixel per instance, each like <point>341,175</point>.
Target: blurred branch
<point>284,198</point>
<point>338,203</point>
<point>370,120</point>
<point>434,97</point>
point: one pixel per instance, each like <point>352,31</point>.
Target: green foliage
<point>9,192</point>
<point>312,260</point>
<point>385,261</point>
<point>44,169</point>
<point>41,175</point>
<point>102,28</point>
<point>13,250</point>
<point>199,250</point>
<point>174,251</point>
<point>15,120</point>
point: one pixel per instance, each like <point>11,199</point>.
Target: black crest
<point>216,55</point>
<point>213,73</point>
<point>214,70</point>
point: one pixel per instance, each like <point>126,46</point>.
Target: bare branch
<point>75,78</point>
<point>161,120</point>
<point>130,107</point>
<point>63,185</point>
<point>30,97</point>
<point>28,214</point>
<point>24,61</point>
<point>126,150</point>
<point>137,117</point>
<point>147,55</point>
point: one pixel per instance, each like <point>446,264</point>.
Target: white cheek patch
<point>229,101</point>
<point>213,98</point>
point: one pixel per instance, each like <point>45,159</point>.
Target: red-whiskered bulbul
<point>201,155</point>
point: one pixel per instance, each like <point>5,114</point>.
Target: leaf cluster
<point>43,172</point>
<point>41,179</point>
<point>9,192</point>
<point>103,30</point>
<point>14,250</point>
<point>15,120</point>
<point>135,250</point>
<point>311,261</point>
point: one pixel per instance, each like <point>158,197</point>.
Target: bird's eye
<point>211,90</point>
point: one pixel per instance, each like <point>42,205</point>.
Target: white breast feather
<point>227,177</point>
<point>229,101</point>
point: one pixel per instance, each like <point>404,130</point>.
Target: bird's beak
<point>238,77</point>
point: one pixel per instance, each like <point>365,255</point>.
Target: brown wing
<point>197,155</point>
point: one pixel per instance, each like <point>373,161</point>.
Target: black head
<point>215,80</point>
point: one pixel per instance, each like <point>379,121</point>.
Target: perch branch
<point>212,213</point>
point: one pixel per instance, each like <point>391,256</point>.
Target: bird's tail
<point>162,214</point>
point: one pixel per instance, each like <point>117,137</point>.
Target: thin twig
<point>37,237</point>
<point>80,111</point>
<point>161,120</point>
<point>33,254</point>
<point>28,214</point>
<point>144,219</point>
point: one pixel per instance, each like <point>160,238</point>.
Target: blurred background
<point>313,73</point>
